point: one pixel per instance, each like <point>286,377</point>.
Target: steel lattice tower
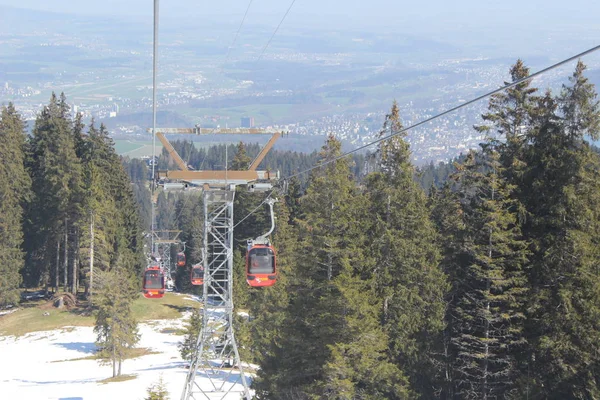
<point>217,358</point>
<point>162,242</point>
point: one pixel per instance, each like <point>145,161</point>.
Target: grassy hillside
<point>43,316</point>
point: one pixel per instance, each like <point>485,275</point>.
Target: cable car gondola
<point>154,283</point>
<point>261,263</point>
<point>261,269</point>
<point>180,259</point>
<point>197,277</point>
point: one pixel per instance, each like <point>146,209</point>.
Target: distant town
<point>304,93</point>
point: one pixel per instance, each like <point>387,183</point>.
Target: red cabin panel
<point>261,266</point>
<point>154,283</point>
<point>180,259</point>
<point>197,277</point>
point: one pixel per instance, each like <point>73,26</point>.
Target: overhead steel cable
<point>422,122</point>
<point>253,211</point>
<point>451,110</point>
<point>275,31</point>
<point>236,35</point>
<point>154,68</point>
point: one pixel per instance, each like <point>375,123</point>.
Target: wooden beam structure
<point>222,177</point>
<point>180,163</point>
<point>216,131</point>
<point>227,177</point>
<point>264,151</point>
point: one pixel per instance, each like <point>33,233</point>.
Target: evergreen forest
<point>473,279</point>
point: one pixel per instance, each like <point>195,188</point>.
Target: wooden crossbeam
<point>217,177</point>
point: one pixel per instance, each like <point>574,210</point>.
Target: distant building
<point>247,122</point>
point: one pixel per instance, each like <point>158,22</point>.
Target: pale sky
<point>359,13</point>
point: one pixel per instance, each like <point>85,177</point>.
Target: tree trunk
<point>74,274</point>
<point>448,381</point>
<point>46,277</point>
<point>57,267</point>
<point>114,362</point>
<point>384,315</point>
<point>91,255</point>
<point>66,260</point>
<point>119,373</point>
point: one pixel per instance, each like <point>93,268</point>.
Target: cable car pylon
<point>216,369</point>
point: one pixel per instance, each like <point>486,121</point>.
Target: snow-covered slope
<point>36,366</point>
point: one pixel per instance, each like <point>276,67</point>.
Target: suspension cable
<point>451,110</point>
<point>257,207</point>
<point>275,32</point>
<point>441,114</point>
<point>154,67</point>
<point>236,36</point>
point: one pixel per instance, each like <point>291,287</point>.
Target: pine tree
<point>564,195</point>
<point>55,171</point>
<point>313,319</point>
<point>292,200</point>
<point>241,161</point>
<point>359,365</point>
<point>138,174</point>
<point>111,232</point>
<point>488,316</point>
<point>14,192</point>
<point>510,116</point>
<point>447,214</point>
<point>404,260</point>
<point>187,348</point>
<point>157,391</point>
<point>96,244</point>
<point>115,326</point>
<point>267,306</point>
<point>579,107</point>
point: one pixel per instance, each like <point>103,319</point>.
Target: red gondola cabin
<point>197,277</point>
<point>154,283</point>
<point>180,259</point>
<point>261,265</point>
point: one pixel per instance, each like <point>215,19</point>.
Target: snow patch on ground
<point>6,312</point>
<point>49,365</point>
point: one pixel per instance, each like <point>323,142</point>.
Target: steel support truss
<point>216,370</point>
<point>163,240</point>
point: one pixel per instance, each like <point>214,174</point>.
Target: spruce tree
<point>96,243</point>
<point>447,214</point>
<point>116,328</point>
<point>157,391</point>
<point>187,348</point>
<point>267,306</point>
<point>509,116</point>
<point>14,192</point>
<point>313,318</point>
<point>359,365</point>
<point>241,161</point>
<point>55,171</point>
<point>488,315</point>
<point>563,199</point>
<point>292,199</point>
<point>111,232</point>
<point>404,260</point>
